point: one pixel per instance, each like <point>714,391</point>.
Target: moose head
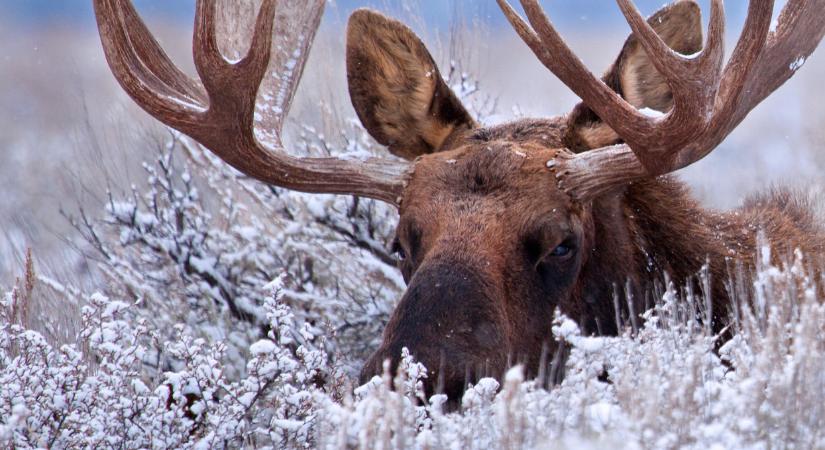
<point>498,226</point>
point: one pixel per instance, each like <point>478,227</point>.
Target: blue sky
<point>37,13</point>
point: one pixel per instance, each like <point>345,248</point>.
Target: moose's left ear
<point>633,74</point>
<point>635,78</point>
<point>396,88</point>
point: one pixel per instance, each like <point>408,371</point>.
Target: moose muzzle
<point>449,321</point>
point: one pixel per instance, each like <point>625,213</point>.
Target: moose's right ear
<point>396,88</point>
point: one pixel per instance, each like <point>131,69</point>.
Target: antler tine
<point>160,91</point>
<point>689,78</point>
<point>524,31</point>
<point>553,52</point>
<point>740,66</point>
<point>642,133</point>
<point>745,54</point>
<point>709,101</point>
<point>676,68</point>
<point>209,62</point>
<point>669,63</point>
<point>259,49</point>
<point>225,125</point>
<point>213,68</point>
<point>713,53</point>
<point>799,30</point>
<point>152,55</point>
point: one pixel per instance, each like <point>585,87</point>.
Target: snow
<point>797,64</point>
<point>275,285</point>
<point>514,374</point>
<point>649,112</point>
<point>590,344</point>
<point>203,265</point>
<point>566,329</point>
<point>264,346</point>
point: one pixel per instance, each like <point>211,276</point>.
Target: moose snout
<point>449,321</point>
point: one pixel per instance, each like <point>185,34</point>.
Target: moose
<point>500,226</point>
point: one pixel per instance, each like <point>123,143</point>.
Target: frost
<point>589,344</point>
<point>514,375</point>
<point>481,394</point>
<point>649,112</point>
<point>797,64</point>
<point>262,347</point>
<point>566,329</point>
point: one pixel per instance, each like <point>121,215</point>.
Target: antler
<point>220,112</point>
<point>708,102</point>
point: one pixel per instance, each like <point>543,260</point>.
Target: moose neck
<point>651,229</point>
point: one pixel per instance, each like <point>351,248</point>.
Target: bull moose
<point>500,226</point>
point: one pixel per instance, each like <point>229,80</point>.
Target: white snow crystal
<point>797,63</point>
<point>262,347</point>
<point>514,375</point>
<point>650,112</point>
<point>566,329</point>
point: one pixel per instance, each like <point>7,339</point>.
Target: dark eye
<point>561,250</point>
<point>398,251</point>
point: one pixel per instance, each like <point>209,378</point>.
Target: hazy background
<point>68,133</point>
<point>436,12</point>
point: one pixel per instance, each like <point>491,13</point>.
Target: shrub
<point>666,387</point>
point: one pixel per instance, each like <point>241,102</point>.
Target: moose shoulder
<point>500,226</point>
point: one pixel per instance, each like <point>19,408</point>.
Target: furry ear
<point>396,88</point>
<point>635,78</point>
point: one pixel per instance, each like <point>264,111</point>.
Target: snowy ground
<point>155,313</point>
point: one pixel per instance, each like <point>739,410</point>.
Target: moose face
<point>489,248</point>
<point>488,243</point>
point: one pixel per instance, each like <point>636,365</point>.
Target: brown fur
<point>482,216</point>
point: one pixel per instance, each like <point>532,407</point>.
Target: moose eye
<point>561,250</point>
<point>398,251</point>
<point>400,254</point>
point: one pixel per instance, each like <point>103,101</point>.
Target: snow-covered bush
<point>95,393</point>
<point>665,387</point>
<point>194,246</point>
<point>202,260</point>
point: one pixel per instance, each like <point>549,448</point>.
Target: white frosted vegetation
<point>667,387</point>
